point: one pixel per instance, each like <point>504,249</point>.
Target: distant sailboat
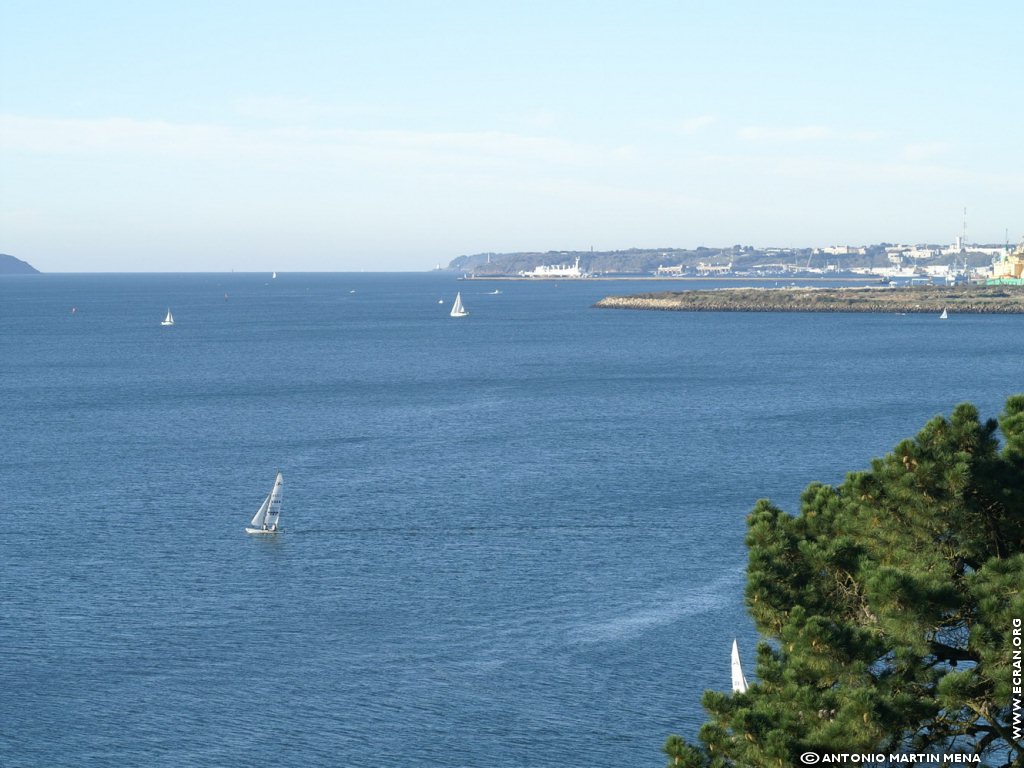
<point>169,320</point>
<point>944,315</point>
<point>457,309</point>
<point>265,519</point>
<point>273,275</point>
<point>739,682</point>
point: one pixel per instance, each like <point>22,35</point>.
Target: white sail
<point>739,682</point>
<point>274,507</point>
<point>944,315</point>
<point>261,515</point>
<point>169,320</point>
<point>457,309</point>
<point>266,518</point>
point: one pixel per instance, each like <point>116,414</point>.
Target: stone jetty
<point>965,299</point>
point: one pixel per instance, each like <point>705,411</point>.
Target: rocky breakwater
<point>967,299</point>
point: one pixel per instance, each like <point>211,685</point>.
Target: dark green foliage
<point>888,605</point>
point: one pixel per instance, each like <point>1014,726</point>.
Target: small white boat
<point>266,518</point>
<point>273,275</point>
<point>169,320</point>
<point>944,315</point>
<point>739,682</point>
<point>457,309</point>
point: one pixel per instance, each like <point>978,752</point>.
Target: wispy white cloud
<point>836,171</point>
<point>309,170</point>
<point>865,136</point>
<point>807,133</point>
<point>693,125</point>
<point>284,144</point>
<point>926,150</point>
<point>781,133</point>
<point>89,136</point>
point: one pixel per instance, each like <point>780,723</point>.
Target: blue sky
<point>394,135</point>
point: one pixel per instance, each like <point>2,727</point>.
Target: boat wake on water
<point>659,611</point>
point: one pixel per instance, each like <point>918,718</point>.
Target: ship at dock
<point>1009,270</point>
<point>555,270</point>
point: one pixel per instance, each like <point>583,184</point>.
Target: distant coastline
<point>12,266</point>
<point>966,299</point>
<point>742,261</point>
<point>676,279</point>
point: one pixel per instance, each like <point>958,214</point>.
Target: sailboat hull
<point>262,530</point>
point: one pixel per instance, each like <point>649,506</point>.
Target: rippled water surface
<point>513,539</point>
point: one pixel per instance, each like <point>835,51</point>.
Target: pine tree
<point>888,606</point>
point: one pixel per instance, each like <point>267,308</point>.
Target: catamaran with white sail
<point>739,682</point>
<point>457,309</point>
<point>265,520</point>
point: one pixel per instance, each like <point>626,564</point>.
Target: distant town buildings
<point>841,250</point>
<point>897,264</point>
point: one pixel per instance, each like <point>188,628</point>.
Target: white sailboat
<point>265,519</point>
<point>457,309</point>
<point>944,315</point>
<point>169,320</point>
<point>739,682</point>
<point>273,275</point>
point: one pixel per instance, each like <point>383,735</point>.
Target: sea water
<point>511,539</point>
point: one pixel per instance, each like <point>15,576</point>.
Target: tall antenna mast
<point>965,228</point>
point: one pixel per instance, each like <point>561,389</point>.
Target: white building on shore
<point>674,271</point>
<point>842,250</point>
<point>713,269</point>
